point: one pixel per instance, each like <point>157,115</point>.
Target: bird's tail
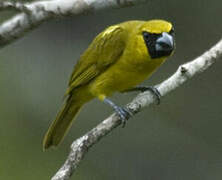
<point>61,124</point>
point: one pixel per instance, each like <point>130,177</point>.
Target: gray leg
<point>123,113</point>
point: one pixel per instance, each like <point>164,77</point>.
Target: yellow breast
<point>122,76</point>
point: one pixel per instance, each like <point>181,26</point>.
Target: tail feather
<point>61,124</point>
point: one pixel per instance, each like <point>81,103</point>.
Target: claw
<point>146,88</point>
<point>154,91</point>
<point>124,114</point>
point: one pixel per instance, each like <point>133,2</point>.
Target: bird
<point>117,60</point>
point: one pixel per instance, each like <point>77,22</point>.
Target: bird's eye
<point>150,38</point>
<point>146,35</point>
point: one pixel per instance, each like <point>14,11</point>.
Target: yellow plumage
<point>118,59</point>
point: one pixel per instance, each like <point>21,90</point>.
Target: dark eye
<point>150,38</point>
<point>146,35</point>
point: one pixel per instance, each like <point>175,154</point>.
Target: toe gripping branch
<point>122,112</point>
<point>125,113</point>
<point>153,89</point>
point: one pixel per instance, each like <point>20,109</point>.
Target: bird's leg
<point>122,112</point>
<point>153,89</point>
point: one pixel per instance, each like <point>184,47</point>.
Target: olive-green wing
<point>104,51</point>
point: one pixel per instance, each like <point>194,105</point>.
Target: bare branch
<point>38,12</point>
<point>186,71</point>
<point>12,5</point>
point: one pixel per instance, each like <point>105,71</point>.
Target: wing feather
<point>104,51</point>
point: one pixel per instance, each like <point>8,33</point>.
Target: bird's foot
<point>153,90</point>
<point>123,113</point>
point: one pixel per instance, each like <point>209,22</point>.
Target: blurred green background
<point>179,140</point>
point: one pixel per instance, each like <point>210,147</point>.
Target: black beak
<point>165,44</point>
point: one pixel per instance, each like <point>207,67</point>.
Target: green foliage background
<point>180,139</point>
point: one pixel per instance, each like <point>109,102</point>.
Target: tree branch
<point>186,71</point>
<point>12,5</point>
<point>38,12</point>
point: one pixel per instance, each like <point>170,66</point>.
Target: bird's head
<point>158,36</point>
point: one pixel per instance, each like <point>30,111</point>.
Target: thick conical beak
<point>165,43</point>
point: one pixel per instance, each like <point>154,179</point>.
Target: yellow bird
<point>118,59</point>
